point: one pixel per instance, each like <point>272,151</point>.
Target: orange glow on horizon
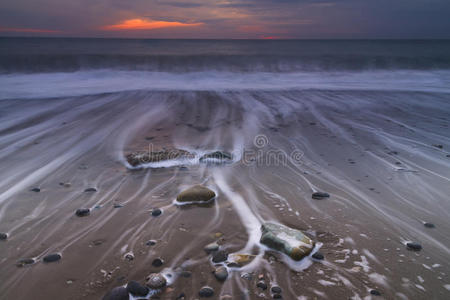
<point>33,30</point>
<point>140,24</point>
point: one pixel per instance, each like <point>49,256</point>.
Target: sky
<point>238,19</point>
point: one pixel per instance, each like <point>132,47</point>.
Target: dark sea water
<point>367,121</point>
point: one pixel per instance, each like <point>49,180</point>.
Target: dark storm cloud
<point>233,18</point>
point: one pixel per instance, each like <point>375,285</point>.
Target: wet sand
<point>376,153</point>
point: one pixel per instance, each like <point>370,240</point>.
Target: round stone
<point>151,243</point>
<point>221,273</point>
<point>157,262</point>
<point>156,281</point>
<point>318,256</point>
<point>262,285</point>
<point>206,292</point>
<point>36,190</point>
<point>429,225</point>
<point>90,190</point>
<point>52,257</point>
<point>276,289</point>
<point>156,212</point>
<point>375,293</point>
<point>137,289</point>
<point>211,247</point>
<point>414,246</point>
<point>220,256</point>
<point>3,236</point>
<point>83,212</point>
<point>117,293</point>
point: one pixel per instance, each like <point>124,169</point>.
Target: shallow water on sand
<point>372,151</point>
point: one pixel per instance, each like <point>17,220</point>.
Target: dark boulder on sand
<point>206,292</point>
<point>90,190</point>
<point>414,246</point>
<point>83,212</point>
<point>221,273</point>
<point>217,157</point>
<point>320,195</point>
<point>429,225</point>
<point>197,193</point>
<point>156,212</point>
<point>117,293</point>
<point>220,256</point>
<point>52,257</point>
<point>36,190</point>
<point>137,289</point>
<point>3,236</point>
<point>289,241</point>
<point>318,256</point>
<point>140,158</point>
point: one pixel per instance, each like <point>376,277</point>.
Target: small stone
<point>25,261</point>
<point>156,281</point>
<point>318,256</point>
<point>129,256</point>
<point>186,274</point>
<point>211,247</point>
<point>375,293</point>
<point>206,292</point>
<point>241,259</point>
<point>65,184</point>
<point>197,193</point>
<point>220,256</point>
<point>137,289</point>
<point>221,273</point>
<point>181,296</point>
<point>83,212</point>
<point>262,285</point>
<point>36,190</point>
<point>156,212</point>
<point>90,190</point>
<point>3,236</point>
<point>247,276</point>
<point>217,157</point>
<point>157,262</point>
<point>52,257</point>
<point>117,205</point>
<point>429,225</point>
<point>117,293</point>
<point>151,243</point>
<point>277,296</point>
<point>414,246</point>
<point>276,289</point>
<point>320,195</point>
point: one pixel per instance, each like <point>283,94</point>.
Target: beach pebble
<point>318,256</point>
<point>82,212</point>
<point>137,289</point>
<point>156,212</point>
<point>276,289</point>
<point>157,262</point>
<point>129,256</point>
<point>25,261</point>
<point>156,281</point>
<point>117,205</point>
<point>211,247</point>
<point>117,293</point>
<point>151,243</point>
<point>429,225</point>
<point>36,190</point>
<point>197,193</point>
<point>3,236</point>
<point>262,285</point>
<point>206,292</point>
<point>375,293</point>
<point>320,195</point>
<point>414,246</point>
<point>220,256</point>
<point>52,257</point>
<point>65,184</point>
<point>277,296</point>
<point>89,190</point>
<point>247,276</point>
<point>221,273</point>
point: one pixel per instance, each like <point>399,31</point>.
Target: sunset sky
<point>227,19</point>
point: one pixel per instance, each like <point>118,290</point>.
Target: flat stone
<point>217,157</point>
<point>141,158</point>
<point>90,190</point>
<point>320,195</point>
<point>52,257</point>
<point>156,212</point>
<point>289,241</point>
<point>276,289</point>
<point>318,256</point>
<point>220,256</point>
<point>137,289</point>
<point>206,292</point>
<point>117,205</point>
<point>3,236</point>
<point>151,243</point>
<point>429,225</point>
<point>221,273</point>
<point>277,296</point>
<point>414,246</point>
<point>25,261</point>
<point>117,293</point>
<point>83,212</point>
<point>375,293</point>
<point>197,193</point>
<point>156,281</point>
<point>36,190</point>
<point>211,247</point>
<point>241,259</point>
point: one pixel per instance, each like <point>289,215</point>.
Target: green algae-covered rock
<point>287,240</point>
